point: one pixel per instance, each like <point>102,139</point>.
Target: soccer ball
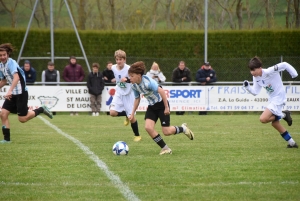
<point>120,148</point>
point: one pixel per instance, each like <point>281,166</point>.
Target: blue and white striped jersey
<point>148,88</point>
<point>7,72</point>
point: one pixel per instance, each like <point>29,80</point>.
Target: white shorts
<point>276,109</point>
<point>122,103</point>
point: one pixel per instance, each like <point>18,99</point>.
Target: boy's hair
<point>120,54</point>
<point>7,47</point>
<point>255,62</point>
<point>137,68</point>
<point>96,65</point>
<point>109,62</point>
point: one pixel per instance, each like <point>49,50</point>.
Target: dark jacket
<point>202,74</point>
<point>179,74</point>
<point>51,76</point>
<point>109,74</point>
<point>30,75</point>
<point>73,73</point>
<point>95,83</point>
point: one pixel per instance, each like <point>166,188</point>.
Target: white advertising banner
<point>181,98</point>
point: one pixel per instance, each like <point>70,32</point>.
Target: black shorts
<point>157,111</point>
<point>17,104</point>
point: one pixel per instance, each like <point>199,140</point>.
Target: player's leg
<point>267,116</point>
<point>128,106</point>
<point>277,114</point>
<point>5,126</point>
<point>98,104</point>
<point>22,109</point>
<point>116,107</point>
<point>151,117</point>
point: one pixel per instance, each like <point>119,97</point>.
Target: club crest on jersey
<point>269,88</point>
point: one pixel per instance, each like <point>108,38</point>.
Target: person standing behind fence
<point>108,74</point>
<point>73,73</point>
<point>95,85</point>
<point>156,74</point>
<point>206,75</point>
<point>51,74</point>
<point>30,73</point>
<point>181,74</point>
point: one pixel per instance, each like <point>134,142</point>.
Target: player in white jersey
<point>270,79</point>
<point>16,98</point>
<point>158,107</point>
<point>121,104</point>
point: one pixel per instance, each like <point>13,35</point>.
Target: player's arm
<point>165,100</point>
<point>252,90</point>
<point>3,82</point>
<point>281,67</point>
<point>135,103</point>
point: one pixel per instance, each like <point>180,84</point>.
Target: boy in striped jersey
<point>158,107</point>
<point>16,98</point>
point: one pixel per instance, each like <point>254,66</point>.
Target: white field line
<point>124,189</point>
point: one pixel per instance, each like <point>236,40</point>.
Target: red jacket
<point>73,73</point>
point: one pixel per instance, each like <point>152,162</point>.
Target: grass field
<point>233,157</point>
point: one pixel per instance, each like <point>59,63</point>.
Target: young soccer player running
<point>121,104</point>
<point>16,98</point>
<point>158,107</point>
<point>270,79</point>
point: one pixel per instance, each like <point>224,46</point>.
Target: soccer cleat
<point>188,131</point>
<point>47,112</point>
<point>165,151</point>
<point>126,121</point>
<point>5,142</point>
<point>294,146</point>
<point>288,117</point>
<point>137,138</point>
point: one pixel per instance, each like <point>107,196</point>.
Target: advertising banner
<point>181,98</point>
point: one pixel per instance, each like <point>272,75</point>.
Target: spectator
<point>51,74</point>
<point>108,74</point>
<point>30,73</point>
<point>181,74</point>
<point>156,74</point>
<point>73,73</point>
<point>205,75</point>
<point>95,85</point>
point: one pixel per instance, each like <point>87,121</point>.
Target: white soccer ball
<point>120,148</point>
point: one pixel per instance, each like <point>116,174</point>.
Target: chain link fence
<point>227,69</point>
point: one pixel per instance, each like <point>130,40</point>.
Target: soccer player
<point>16,97</point>
<point>158,107</point>
<point>121,104</point>
<point>270,79</point>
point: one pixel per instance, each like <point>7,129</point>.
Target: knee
<point>263,120</point>
<point>22,120</point>
<point>149,129</point>
<point>112,113</point>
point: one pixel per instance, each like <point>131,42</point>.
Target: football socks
<point>135,128</point>
<point>288,138</point>
<point>159,141</point>
<point>6,133</point>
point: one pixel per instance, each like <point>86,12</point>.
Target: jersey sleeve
<point>13,67</point>
<point>153,85</point>
<point>281,67</point>
<point>255,89</point>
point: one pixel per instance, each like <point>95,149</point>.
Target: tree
<point>11,8</point>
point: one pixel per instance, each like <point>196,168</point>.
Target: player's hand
<point>167,111</point>
<point>246,83</point>
<point>130,117</point>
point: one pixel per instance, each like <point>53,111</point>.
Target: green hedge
<point>166,47</point>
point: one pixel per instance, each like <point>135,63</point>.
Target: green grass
<point>233,157</point>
